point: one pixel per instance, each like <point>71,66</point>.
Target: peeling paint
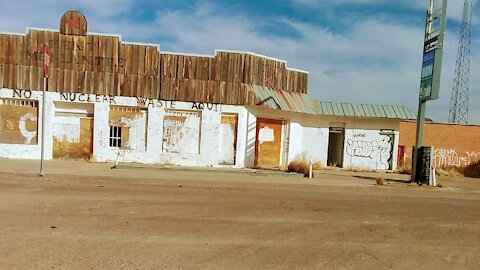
<point>266,134</point>
<point>181,133</point>
<point>228,139</point>
<point>22,125</point>
<point>67,129</point>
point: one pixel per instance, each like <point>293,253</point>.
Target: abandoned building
<point>110,99</point>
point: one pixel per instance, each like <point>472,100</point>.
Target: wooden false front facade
<point>104,65</point>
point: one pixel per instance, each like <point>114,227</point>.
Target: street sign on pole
<point>431,70</point>
<point>45,87</point>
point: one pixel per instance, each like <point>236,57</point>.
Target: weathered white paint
<point>310,134</point>
<point>266,134</point>
<point>315,143</point>
<point>137,132</point>
<point>22,125</point>
<point>250,139</point>
<point>182,137</point>
<point>242,126</point>
<point>303,133</point>
<point>296,135</point>
<point>66,128</point>
<point>32,151</point>
<point>227,140</point>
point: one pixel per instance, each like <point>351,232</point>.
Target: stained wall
<point>454,145</point>
<point>195,134</point>
<point>369,143</point>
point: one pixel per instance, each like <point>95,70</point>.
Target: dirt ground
<point>97,218</point>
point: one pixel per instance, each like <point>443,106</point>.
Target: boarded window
<point>129,127</point>
<point>228,139</point>
<point>181,132</point>
<point>18,121</point>
<point>72,133</point>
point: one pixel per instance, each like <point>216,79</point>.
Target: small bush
<point>318,165</point>
<point>380,181</point>
<point>449,171</point>
<point>359,169</point>
<point>472,170</point>
<point>405,169</point>
<point>301,164</point>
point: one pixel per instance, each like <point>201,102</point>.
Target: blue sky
<point>365,51</point>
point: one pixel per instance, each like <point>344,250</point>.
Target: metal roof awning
<point>302,103</point>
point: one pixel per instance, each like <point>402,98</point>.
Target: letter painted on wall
<point>18,121</point>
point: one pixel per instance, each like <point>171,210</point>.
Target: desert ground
<point>88,216</point>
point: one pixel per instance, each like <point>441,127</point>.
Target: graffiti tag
<point>378,150</point>
<point>450,157</point>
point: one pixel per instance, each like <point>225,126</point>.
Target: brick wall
<point>455,145</point>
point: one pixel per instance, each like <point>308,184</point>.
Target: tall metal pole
<point>45,87</point>
<point>42,153</point>
<point>431,70</point>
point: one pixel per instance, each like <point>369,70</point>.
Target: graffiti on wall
<point>450,157</point>
<point>380,150</point>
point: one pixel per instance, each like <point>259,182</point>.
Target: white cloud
<point>375,61</point>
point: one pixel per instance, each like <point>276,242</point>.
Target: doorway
<point>73,131</point>
<point>269,143</point>
<point>336,140</point>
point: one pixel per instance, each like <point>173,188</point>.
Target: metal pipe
<point>42,153</point>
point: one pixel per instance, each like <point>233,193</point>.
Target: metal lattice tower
<point>461,82</point>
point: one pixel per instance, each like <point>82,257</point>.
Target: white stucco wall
<point>296,136</point>
<point>315,143</point>
<point>364,145</point>
<point>32,151</point>
<point>242,134</point>
<point>250,138</point>
<point>310,134</point>
<point>209,137</point>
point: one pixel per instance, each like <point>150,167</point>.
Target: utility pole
<point>431,70</point>
<point>45,88</point>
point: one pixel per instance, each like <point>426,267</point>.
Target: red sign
<point>47,59</point>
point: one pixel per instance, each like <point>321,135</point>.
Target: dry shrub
<point>301,164</point>
<point>405,169</point>
<point>359,169</point>
<point>318,165</point>
<point>472,170</point>
<point>380,181</point>
<point>449,171</point>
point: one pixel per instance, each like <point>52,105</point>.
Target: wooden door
<point>268,143</point>
<point>73,140</point>
<point>228,139</point>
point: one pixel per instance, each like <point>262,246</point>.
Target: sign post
<point>431,71</point>
<point>45,87</point>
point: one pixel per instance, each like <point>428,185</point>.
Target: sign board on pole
<point>433,52</point>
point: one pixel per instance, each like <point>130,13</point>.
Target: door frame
<point>284,143</point>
